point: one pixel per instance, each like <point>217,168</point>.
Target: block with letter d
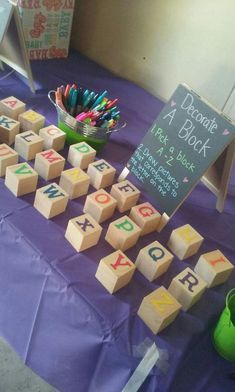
<point>115,271</point>
<point>81,155</point>
<point>187,287</point>
<point>28,144</point>
<point>75,182</point>
<point>101,174</point>
<point>126,194</point>
<point>8,157</point>
<point>185,241</point>
<point>21,179</point>
<point>52,137</point>
<point>100,205</point>
<point>51,200</point>
<point>49,164</point>
<point>12,107</point>
<point>9,128</point>
<point>159,309</point>
<point>146,217</point>
<point>31,121</point>
<point>122,233</point>
<point>83,232</point>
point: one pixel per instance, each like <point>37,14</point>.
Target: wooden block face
<point>100,205</point>
<point>159,309</point>
<point>153,260</point>
<point>126,194</point>
<point>115,271</point>
<point>101,174</point>
<point>214,268</point>
<point>31,121</point>
<point>185,241</point>
<point>49,164</point>
<point>53,138</point>
<point>187,287</point>
<point>21,179</point>
<point>8,157</point>
<point>28,144</point>
<point>12,107</point>
<point>51,200</point>
<point>83,232</point>
<point>146,217</point>
<point>75,182</point>
<point>81,155</point>
<point>122,233</point>
<point>9,128</point>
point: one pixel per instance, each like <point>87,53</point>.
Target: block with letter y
<point>51,200</point>
<point>21,179</point>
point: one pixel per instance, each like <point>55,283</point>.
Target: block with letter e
<point>146,217</point>
<point>28,144</point>
<point>31,121</point>
<point>51,200</point>
<point>100,205</point>
<point>49,164</point>
<point>53,137</point>
<point>122,233</point>
<point>21,179</point>
<point>9,128</point>
<point>187,287</point>
<point>81,155</point>
<point>115,271</point>
<point>83,232</point>
<point>126,194</point>
<point>101,174</point>
<point>214,268</point>
<point>185,241</point>
<point>8,157</point>
<point>12,107</point>
<point>75,182</point>
<point>159,309</point>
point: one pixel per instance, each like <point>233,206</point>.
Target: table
<point>53,311</point>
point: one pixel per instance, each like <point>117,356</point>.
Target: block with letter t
<point>126,195</point>
<point>101,174</point>
<point>9,128</point>
<point>12,107</point>
<point>51,200</point>
<point>49,164</point>
<point>146,217</point>
<point>8,157</point>
<point>122,233</point>
<point>81,155</point>
<point>21,179</point>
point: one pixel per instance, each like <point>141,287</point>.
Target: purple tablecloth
<point>53,311</point>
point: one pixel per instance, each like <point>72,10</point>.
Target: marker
<point>111,103</point>
<point>88,99</point>
<point>99,99</point>
<point>84,96</point>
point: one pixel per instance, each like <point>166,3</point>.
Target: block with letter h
<point>28,144</point>
<point>159,309</point>
<point>115,271</point>
<point>12,107</point>
<point>9,128</point>
<point>100,205</point>
<point>81,155</point>
<point>126,195</point>
<point>51,200</point>
<point>21,179</point>
<point>185,241</point>
<point>8,157</point>
<point>31,121</point>
<point>83,232</point>
<point>122,233</point>
<point>49,164</point>
<point>146,217</point>
<point>75,182</point>
<point>53,138</point>
<point>101,174</point>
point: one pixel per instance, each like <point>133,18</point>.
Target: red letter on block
<point>118,262</point>
<point>49,155</point>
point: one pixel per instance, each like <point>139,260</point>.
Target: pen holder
<point>77,131</point>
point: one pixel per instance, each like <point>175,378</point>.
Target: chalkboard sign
<point>6,10</point>
<point>185,139</point>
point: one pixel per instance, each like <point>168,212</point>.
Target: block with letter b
<point>52,137</point>
<point>28,144</point>
<point>214,268</point>
<point>122,233</point>
<point>31,121</point>
<point>21,179</point>
<point>153,260</point>
<point>9,128</point>
<point>187,287</point>
<point>49,164</point>
<point>159,309</point>
<point>75,182</point>
<point>8,157</point>
<point>126,195</point>
<point>12,107</point>
<point>185,241</point>
<point>115,271</point>
<point>81,155</point>
<point>146,217</point>
<point>100,205</point>
<point>101,174</point>
<point>51,200</point>
<point>83,232</point>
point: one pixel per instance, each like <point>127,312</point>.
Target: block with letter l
<point>126,195</point>
<point>28,144</point>
<point>101,174</point>
<point>49,164</point>
<point>51,200</point>
<point>122,233</point>
<point>21,179</point>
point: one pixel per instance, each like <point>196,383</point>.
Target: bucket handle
<point>230,294</point>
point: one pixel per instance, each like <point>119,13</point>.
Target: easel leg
<point>228,165</point>
<point>163,222</point>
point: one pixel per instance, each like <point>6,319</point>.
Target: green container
<point>224,333</point>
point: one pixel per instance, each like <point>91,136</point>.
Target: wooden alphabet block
<point>146,217</point>
<point>185,241</point>
<point>115,271</point>
<point>159,309</point>
<point>8,157</point>
<point>28,144</point>
<point>153,260</point>
<point>51,200</point>
<point>83,232</point>
<point>81,155</point>
<point>53,137</point>
<point>101,174</point>
<point>49,164</point>
<point>8,129</point>
<point>187,287</point>
<point>126,194</point>
<point>75,182</point>
<point>31,121</point>
<point>100,205</point>
<point>12,107</point>
<point>214,268</point>
<point>21,179</point>
<point>122,233</point>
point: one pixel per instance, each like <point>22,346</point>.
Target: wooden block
<point>101,174</point>
<point>8,157</point>
<point>28,144</point>
<point>187,287</point>
<point>153,260</point>
<point>159,309</point>
<point>214,268</point>
<point>51,200</point>
<point>81,155</point>
<point>122,233</point>
<point>21,179</point>
<point>100,205</point>
<point>83,232</point>
<point>75,182</point>
<point>126,194</point>
<point>49,164</point>
<point>53,137</point>
<point>146,217</point>
<point>31,121</point>
<point>12,107</point>
<point>9,128</point>
<point>115,271</point>
<point>185,241</point>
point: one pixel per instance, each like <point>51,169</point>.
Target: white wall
<point>160,43</point>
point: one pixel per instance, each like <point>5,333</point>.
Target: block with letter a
<point>53,137</point>
<point>21,179</point>
<point>49,164</point>
<point>12,107</point>
<point>8,157</point>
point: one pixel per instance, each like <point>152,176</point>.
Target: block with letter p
<point>122,233</point>
<point>31,121</point>
<point>9,128</point>
<point>101,174</point>
<point>185,241</point>
<point>49,164</point>
<point>126,195</point>
<point>28,144</point>
<point>146,217</point>
<point>81,155</point>
<point>8,157</point>
<point>12,107</point>
<point>75,182</point>
<point>21,179</point>
<point>100,205</point>
<point>52,137</point>
<point>50,200</point>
